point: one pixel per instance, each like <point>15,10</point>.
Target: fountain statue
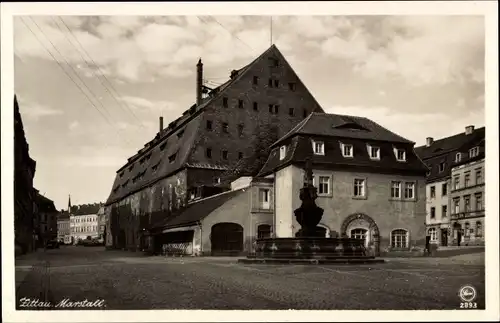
<point>309,244</point>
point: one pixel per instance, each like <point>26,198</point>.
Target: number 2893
<point>468,305</point>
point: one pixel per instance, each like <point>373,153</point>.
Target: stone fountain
<point>310,244</point>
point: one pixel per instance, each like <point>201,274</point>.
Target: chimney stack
<point>469,130</point>
<point>430,140</point>
<point>199,81</point>
<point>161,124</point>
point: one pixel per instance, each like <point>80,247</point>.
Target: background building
<point>47,219</point>
<point>25,233</point>
<point>102,219</point>
<point>83,226</point>
<point>451,205</point>
<point>63,228</point>
<point>370,183</point>
<point>226,134</point>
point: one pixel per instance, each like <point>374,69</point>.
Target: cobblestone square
<point>126,280</point>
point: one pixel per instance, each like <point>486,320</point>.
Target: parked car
<point>52,244</point>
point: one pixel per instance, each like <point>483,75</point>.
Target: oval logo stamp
<point>467,293</point>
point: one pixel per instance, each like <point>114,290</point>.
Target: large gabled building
<point>185,161</point>
<point>455,187</point>
<point>370,182</point>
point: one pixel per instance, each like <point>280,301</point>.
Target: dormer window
<point>374,152</point>
<point>473,152</point>
<point>347,150</point>
<point>171,159</point>
<point>400,154</point>
<point>458,157</point>
<point>318,147</point>
<point>442,166</point>
<point>180,133</point>
<point>282,152</point>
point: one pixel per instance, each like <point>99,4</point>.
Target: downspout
<point>274,206</point>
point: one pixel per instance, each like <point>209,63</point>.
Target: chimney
<point>469,130</point>
<point>199,81</point>
<point>430,140</point>
<point>161,124</point>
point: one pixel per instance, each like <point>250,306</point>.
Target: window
<point>224,102</point>
<point>399,239</point>
<point>433,192</point>
<point>264,199</point>
<point>359,187</point>
<point>180,134</point>
<point>224,154</point>
<point>273,62</point>
<point>479,177</point>
<point>396,190</point>
<point>225,127</point>
<point>374,152</point>
<point>444,211</point>
<point>444,189</point>
<point>240,155</point>
<point>273,108</point>
<point>458,157</point>
<point>433,234</point>
<point>240,104</point>
<point>318,147</point>
<point>292,86</point>
<point>400,155</point>
<point>479,229</point>
<point>304,113</point>
<point>255,106</point>
<point>456,183</point>
<point>359,234</point>
<point>409,190</point>
<point>172,157</point>
<point>255,80</point>
<point>282,152</point>
<point>467,203</point>
<point>479,202</point>
<point>209,124</point>
<point>208,153</point>
<point>276,83</point>
<point>433,212</point>
<point>473,152</point>
<point>442,166</point>
<point>263,231</point>
<point>240,129</point>
<point>347,150</point>
<point>291,111</point>
<point>456,206</point>
<point>162,147</point>
<point>270,83</point>
<point>467,229</point>
<point>467,180</point>
<point>324,185</point>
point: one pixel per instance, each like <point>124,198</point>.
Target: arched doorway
<point>226,239</point>
<point>457,233</point>
<point>361,226</point>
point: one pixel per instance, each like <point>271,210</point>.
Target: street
<point>126,280</point>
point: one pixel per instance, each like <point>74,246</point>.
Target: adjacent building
<point>102,220</point>
<point>63,228</point>
<point>25,232</point>
<point>225,135</point>
<point>369,181</point>
<point>84,226</point>
<point>455,187</point>
<point>47,219</point>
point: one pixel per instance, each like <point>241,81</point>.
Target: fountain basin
<point>310,250</point>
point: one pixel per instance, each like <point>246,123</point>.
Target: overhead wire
<point>103,76</point>
<point>66,72</point>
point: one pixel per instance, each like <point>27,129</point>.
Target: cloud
<point>149,105</point>
<point>36,110</point>
<point>74,125</point>
<point>411,125</point>
<point>419,49</point>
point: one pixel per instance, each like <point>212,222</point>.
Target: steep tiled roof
<point>159,153</point>
<point>198,210</point>
<point>327,124</point>
<point>358,132</point>
<point>444,151</point>
<point>45,204</point>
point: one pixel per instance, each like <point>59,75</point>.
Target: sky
<point>95,99</point>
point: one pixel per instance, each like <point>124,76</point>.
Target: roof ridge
<point>295,129</point>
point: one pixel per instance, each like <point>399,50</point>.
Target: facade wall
<point>82,226</point>
<point>387,213</point>
<point>63,229</point>
<point>288,182</point>
<point>143,208</point>
<point>471,220</point>
<point>438,225</point>
<point>243,210</point>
